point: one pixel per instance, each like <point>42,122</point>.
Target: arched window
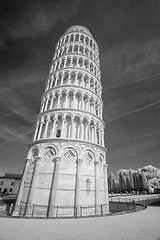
<point>58,133</point>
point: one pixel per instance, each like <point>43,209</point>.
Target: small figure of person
<point>11,208</point>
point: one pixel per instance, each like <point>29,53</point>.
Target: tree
<point>139,178</point>
<point>135,180</point>
<point>144,182</point>
<point>128,183</point>
<point>131,179</point>
<point>122,184</point>
<point>111,182</point>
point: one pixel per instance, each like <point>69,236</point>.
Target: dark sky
<point>128,35</point>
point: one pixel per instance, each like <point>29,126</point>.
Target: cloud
<point>19,103</point>
<point>21,134</point>
<point>133,68</point>
<point>30,19</point>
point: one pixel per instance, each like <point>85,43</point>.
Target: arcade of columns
<point>69,129</point>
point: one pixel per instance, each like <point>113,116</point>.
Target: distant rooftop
<point>11,175</point>
<point>79,29</point>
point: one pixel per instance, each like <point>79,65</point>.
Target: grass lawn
<point>143,225</point>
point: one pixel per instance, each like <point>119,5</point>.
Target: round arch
<point>34,151</point>
<point>50,146</point>
<point>69,154</point>
<point>88,156</point>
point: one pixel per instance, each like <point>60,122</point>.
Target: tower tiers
<point>66,163</point>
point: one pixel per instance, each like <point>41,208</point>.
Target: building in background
<point>9,183</point>
<point>66,164</point>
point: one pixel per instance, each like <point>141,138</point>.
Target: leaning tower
<point>66,164</point>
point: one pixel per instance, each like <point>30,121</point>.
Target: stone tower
<point>66,163</point>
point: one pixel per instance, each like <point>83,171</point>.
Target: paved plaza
<point>143,225</point>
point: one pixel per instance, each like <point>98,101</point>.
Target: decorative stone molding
<point>57,160</point>
<point>38,159</point>
<point>79,162</point>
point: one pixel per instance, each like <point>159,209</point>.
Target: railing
<point>37,211</point>
<point>117,205</point>
<point>146,201</point>
<point>60,211</point>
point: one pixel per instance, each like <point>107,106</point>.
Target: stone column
<point>89,131</point>
<point>95,134</point>
<point>94,85</point>
<point>86,105</point>
<point>106,200</point>
<point>67,100</point>
<point>83,50</point>
<point>20,191</point>
<point>62,76</point>
<point>71,62</point>
<point>40,129</point>
<point>53,129</point>
<point>78,182</point>
<point>54,183</point>
<point>58,100</point>
<point>46,127</point>
<point>72,126</point>
<point>46,105</point>
<point>78,49</point>
<point>94,107</point>
<point>69,78</point>
<point>69,38</point>
<point>63,123</point>
<point>36,131</point>
<point>96,185</point>
<point>64,40</point>
<point>74,129</point>
<point>83,65</point>
<point>67,49</point>
<point>74,37</point>
<point>51,106</point>
<point>72,49</point>
<point>51,83</point>
<point>83,83</point>
<point>82,103</point>
<point>78,129</point>
<point>48,84</point>
<point>92,133</point>
<point>82,131</point>
<point>73,101</point>
<point>42,106</point>
<point>55,65</point>
<point>100,115</point>
<point>88,68</point>
<point>76,79</point>
<point>102,137</point>
<point>56,80</point>
<point>98,110</point>
<point>86,131</point>
<point>60,62</point>
<point>89,82</point>
<point>79,102</point>
<point>89,107</point>
<point>33,184</point>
